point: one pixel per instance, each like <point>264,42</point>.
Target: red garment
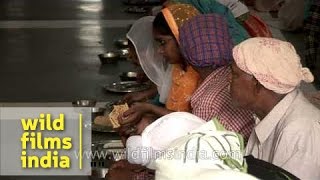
<point>140,176</point>
<point>256,27</point>
<point>213,99</point>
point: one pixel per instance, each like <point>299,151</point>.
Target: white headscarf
<point>274,63</point>
<point>208,152</point>
<point>152,63</point>
<point>157,136</point>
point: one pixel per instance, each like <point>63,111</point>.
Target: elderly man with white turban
<point>266,74</point>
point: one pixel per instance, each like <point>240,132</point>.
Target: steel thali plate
<point>99,128</point>
<point>126,86</point>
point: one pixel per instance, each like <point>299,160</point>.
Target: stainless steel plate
<point>99,128</point>
<point>126,86</point>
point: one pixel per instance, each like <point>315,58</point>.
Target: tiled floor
<point>49,48</point>
<point>63,10</point>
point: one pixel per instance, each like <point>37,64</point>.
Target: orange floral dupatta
<point>177,14</point>
<point>184,82</point>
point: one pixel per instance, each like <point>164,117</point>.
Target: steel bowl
<point>84,103</point>
<point>128,76</point>
<point>126,86</point>
<point>122,43</point>
<point>124,52</point>
<point>109,57</point>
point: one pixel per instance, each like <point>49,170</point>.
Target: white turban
<point>274,63</point>
<point>157,136</point>
<point>208,152</point>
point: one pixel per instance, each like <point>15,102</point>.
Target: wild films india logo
<point>45,141</point>
<point>33,139</point>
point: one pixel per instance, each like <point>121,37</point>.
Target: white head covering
<point>274,63</point>
<point>158,136</point>
<point>152,63</point>
<point>208,152</point>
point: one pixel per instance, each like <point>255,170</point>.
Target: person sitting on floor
<point>206,44</point>
<point>265,78</point>
<point>194,150</point>
<point>142,54</point>
<point>183,78</point>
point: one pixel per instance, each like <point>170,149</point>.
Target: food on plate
<point>117,110</point>
<point>102,121</point>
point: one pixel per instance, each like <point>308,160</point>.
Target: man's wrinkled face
<point>242,88</point>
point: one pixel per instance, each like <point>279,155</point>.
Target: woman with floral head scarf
<point>185,79</point>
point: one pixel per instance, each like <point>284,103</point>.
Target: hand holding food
<point>116,112</point>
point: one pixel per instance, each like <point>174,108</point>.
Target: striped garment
<point>213,99</point>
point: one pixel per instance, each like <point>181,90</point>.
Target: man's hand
<point>123,170</point>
